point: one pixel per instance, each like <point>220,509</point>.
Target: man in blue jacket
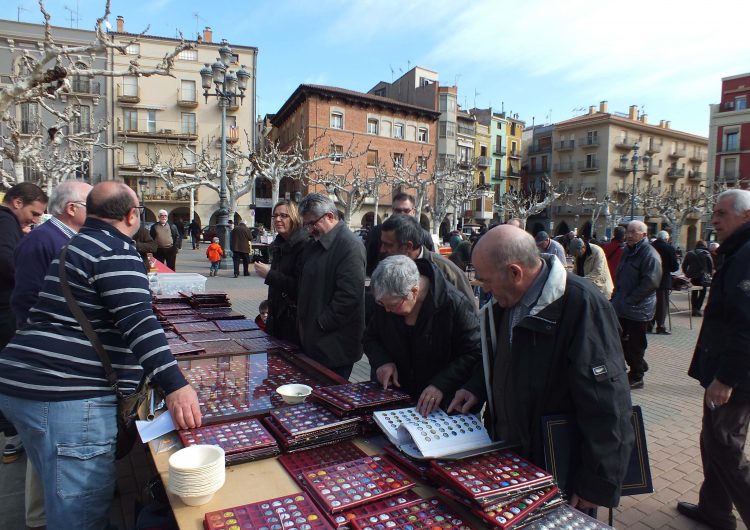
<point>634,298</point>
<point>721,363</point>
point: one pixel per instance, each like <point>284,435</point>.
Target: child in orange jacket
<point>214,254</point>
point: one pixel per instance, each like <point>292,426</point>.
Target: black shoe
<point>638,383</point>
<point>697,313</point>
<point>692,511</point>
<point>663,331</point>
<point>13,449</point>
<point>236,275</point>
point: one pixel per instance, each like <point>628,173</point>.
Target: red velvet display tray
<point>298,463</point>
<point>236,325</point>
<point>307,418</point>
<point>423,513</point>
<point>221,347</point>
<point>233,437</point>
<point>193,327</point>
<point>343,519</point>
<point>292,512</point>
<point>359,396</point>
<point>185,348</point>
<point>204,336</point>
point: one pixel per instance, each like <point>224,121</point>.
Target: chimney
<point>644,118</point>
<point>667,124</point>
<point>661,124</point>
<point>120,24</point>
<point>633,112</point>
<point>592,109</point>
<point>208,35</point>
<point>603,106</point>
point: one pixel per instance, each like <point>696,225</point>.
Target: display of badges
<point>292,512</point>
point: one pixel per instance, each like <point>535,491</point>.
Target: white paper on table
<point>149,430</point>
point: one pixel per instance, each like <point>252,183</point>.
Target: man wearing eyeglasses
<point>167,240</point>
<point>330,302</point>
<point>402,204</point>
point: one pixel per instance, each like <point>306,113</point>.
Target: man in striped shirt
<point>52,383</point>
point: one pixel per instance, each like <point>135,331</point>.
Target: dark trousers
<point>662,306</point>
<point>7,330</point>
<point>196,241</point>
<point>697,298</point>
<point>244,257</point>
<point>634,346</point>
<point>168,256</point>
<point>726,470</point>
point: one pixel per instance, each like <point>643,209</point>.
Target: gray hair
<point>740,200</point>
<point>712,246</point>
<point>663,235</point>
<point>162,212</point>
<point>318,205</point>
<point>65,192</point>
<point>394,276</point>
<point>640,225</point>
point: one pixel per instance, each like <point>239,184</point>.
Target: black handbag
<point>127,405</point>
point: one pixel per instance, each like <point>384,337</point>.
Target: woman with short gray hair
<point>423,336</point>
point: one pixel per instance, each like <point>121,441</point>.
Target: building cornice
<point>601,118</point>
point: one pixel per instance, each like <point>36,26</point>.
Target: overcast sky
<point>545,60</point>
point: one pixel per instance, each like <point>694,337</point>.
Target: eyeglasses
<point>309,226</point>
<point>402,210</point>
<point>393,308</point>
<point>79,203</point>
<point>283,216</point>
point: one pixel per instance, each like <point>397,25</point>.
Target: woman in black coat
<point>283,273</point>
<point>424,334</point>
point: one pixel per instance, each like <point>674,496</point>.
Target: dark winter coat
<point>698,266</point>
<point>669,262</point>
<point>282,281</point>
<point>441,349</point>
<point>331,298</point>
<point>373,246</point>
<point>723,348</point>
<point>638,277</point>
<point>240,238</point>
<point>566,358</point>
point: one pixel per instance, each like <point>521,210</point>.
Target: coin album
<point>423,513</point>
<point>292,512</point>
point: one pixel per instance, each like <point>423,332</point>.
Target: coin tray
<point>425,513</point>
<point>233,437</point>
<point>355,483</point>
<point>296,464</point>
<point>418,469</point>
<point>216,313</point>
<point>185,348</point>
<point>204,336</point>
<point>259,344</point>
<point>485,478</point>
<point>177,306</point>
<point>236,325</point>
<point>565,517</point>
<point>194,327</point>
<point>183,319</point>
<point>343,519</point>
<point>221,347</point>
<point>320,438</point>
<point>305,418</point>
<point>359,396</point>
<point>291,512</point>
<point>249,334</point>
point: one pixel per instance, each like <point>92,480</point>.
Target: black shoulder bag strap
<point>86,326</point>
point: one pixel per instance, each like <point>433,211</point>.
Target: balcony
<point>83,86</point>
<point>696,175</point>
<point>161,130</point>
<point>128,161</point>
<point>588,190</point>
<point>675,173</point>
<point>484,161</point>
<point>497,177</point>
<point>128,94</point>
<point>534,149</point>
<point>564,167</point>
<point>499,151</point>
<point>652,148</point>
<point>588,166</point>
<point>697,157</point>
<point>171,196</point>
<point>588,142</point>
<point>652,169</point>
<point>539,171</point>
<point>514,173</point>
<point>467,131</point>
<point>565,145</point>
<point>625,143</point>
<point>677,153</point>
<point>622,168</point>
<point>730,180</point>
<point>186,99</point>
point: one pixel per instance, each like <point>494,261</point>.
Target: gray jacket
<point>637,278</point>
<point>331,298</point>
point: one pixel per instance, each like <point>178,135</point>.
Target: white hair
<point>162,212</point>
<point>663,235</point>
<point>394,276</point>
<point>640,225</point>
<point>66,192</point>
<point>740,200</point>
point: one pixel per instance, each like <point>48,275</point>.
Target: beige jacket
<point>595,268</point>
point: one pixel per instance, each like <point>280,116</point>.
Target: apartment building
<point>587,153</point>
<point>729,135</point>
<point>386,132</point>
<point>87,97</point>
<point>168,117</point>
<point>514,147</point>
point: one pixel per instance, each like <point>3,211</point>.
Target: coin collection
<point>292,512</point>
<point>359,397</point>
<point>194,327</point>
<point>221,347</point>
<point>566,518</point>
<point>296,464</point>
<point>308,425</point>
<point>242,441</point>
<point>423,513</point>
<point>236,325</point>
<point>355,483</point>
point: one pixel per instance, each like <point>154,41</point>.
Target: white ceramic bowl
<point>294,393</point>
<point>197,459</point>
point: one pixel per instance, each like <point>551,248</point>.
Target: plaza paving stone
<point>671,403</point>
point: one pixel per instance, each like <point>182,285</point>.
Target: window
<point>422,163</point>
<point>592,138</point>
<point>133,49</point>
<point>730,168</point>
<point>447,103</point>
<point>187,90</point>
<point>188,123</point>
<point>398,160</point>
<point>465,155</point>
<point>130,154</point>
<point>129,86</point>
<point>29,118</point>
<point>337,120</point>
<point>372,126</point>
<point>447,130</point>
<point>80,84</point>
<point>423,135</point>
<point>188,55</point>
<point>544,163</point>
<point>740,103</point>
<point>731,141</point>
<point>513,129</point>
<point>398,130</point>
<point>83,172</point>
<point>591,162</point>
<point>513,149</point>
<point>31,173</point>
<point>81,119</point>
<point>337,154</point>
<point>151,121</point>
<point>188,157</point>
<point>372,158</point>
<point>130,119</point>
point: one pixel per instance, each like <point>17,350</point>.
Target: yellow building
<point>514,151</point>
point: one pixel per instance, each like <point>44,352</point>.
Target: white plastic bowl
<point>197,458</point>
<point>294,393</point>
<point>197,501</point>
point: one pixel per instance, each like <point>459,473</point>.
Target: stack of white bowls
<point>196,473</point>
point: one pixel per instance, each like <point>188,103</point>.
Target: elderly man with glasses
<point>330,302</point>
<point>167,239</point>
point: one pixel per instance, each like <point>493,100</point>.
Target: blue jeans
<point>72,447</point>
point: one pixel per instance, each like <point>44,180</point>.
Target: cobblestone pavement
<point>670,400</point>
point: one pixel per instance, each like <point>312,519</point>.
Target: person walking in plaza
<point>721,363</point>
<point>37,249</point>
<point>214,253</point>
<point>59,397</point>
<point>634,297</point>
<point>547,245</point>
<point>589,262</point>
<point>331,298</point>
<point>167,240</point>
<point>698,266</point>
<point>23,206</point>
<point>550,345</point>
<point>424,334</point>
<point>613,251</point>
<point>240,245</point>
<point>195,233</point>
<point>669,264</point>
<point>287,251</point>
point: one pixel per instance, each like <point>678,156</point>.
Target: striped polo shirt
<point>52,360</point>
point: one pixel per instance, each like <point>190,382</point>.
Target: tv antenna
<point>73,15</point>
<point>198,18</point>
<point>20,8</point>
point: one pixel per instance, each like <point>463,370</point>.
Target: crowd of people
<point>542,340</point>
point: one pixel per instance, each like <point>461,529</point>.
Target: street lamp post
<point>143,183</point>
<point>228,86</point>
<point>634,160</point>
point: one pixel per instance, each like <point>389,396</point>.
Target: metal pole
<point>223,206</point>
<point>632,197</point>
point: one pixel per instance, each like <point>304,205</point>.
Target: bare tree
<point>412,175</point>
<point>675,206</point>
<point>525,204</point>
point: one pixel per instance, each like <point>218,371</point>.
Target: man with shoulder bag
<point>64,398</point>
<point>698,266</point>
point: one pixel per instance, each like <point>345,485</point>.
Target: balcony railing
<point>675,173</point>
<point>539,171</point>
<point>592,165</point>
<point>484,161</point>
<point>498,176</point>
<point>677,153</point>
<point>652,148</point>
<point>186,99</point>
<point>695,175</point>
<point>622,168</point>
<point>499,151</point>
<point>468,131</point>
<point>533,149</point>
<point>128,94</point>
<point>564,167</point>
<point>727,179</point>
<point>514,153</point>
<point>159,129</point>
<point>625,143</point>
<point>514,173</point>
<point>166,195</point>
<point>84,86</point>
<point>588,142</point>
<point>652,169</point>
<point>565,145</point>
<point>697,156</point>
